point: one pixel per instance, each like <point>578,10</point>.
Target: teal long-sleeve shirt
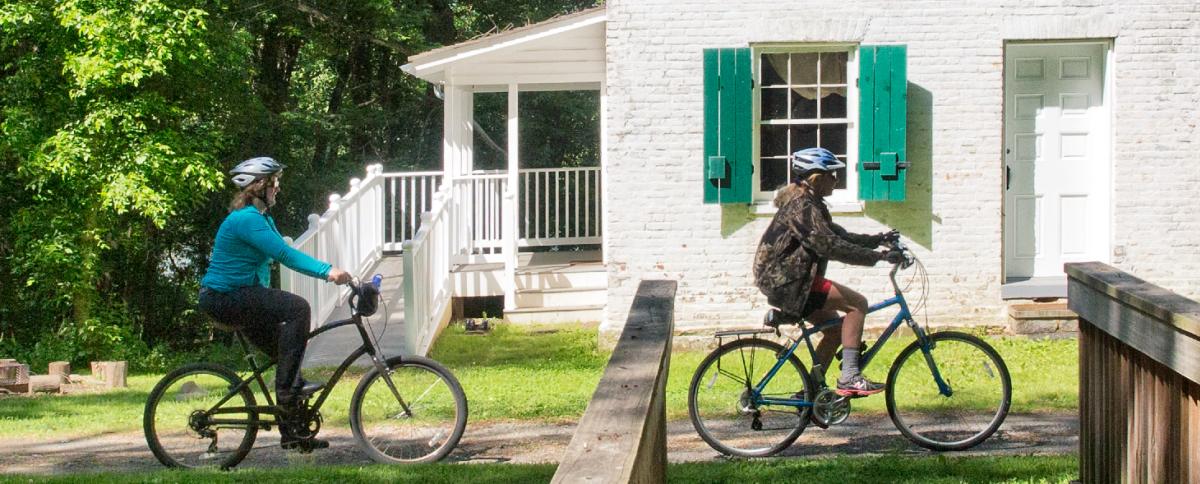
<point>246,244</point>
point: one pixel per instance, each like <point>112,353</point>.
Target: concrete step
<point>581,275</point>
<point>560,297</point>
<point>592,313</point>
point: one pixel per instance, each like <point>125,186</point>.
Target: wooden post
<point>114,374</point>
<point>8,369</point>
<point>61,369</point>
<point>44,383</point>
<point>622,436</point>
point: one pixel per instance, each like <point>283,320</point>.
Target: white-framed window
<point>805,96</point>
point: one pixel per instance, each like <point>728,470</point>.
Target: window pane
<point>833,138</point>
<point>841,182</point>
<point>773,174</point>
<point>804,136</point>
<point>804,103</point>
<point>833,68</point>
<point>804,69</point>
<point>773,67</point>
<point>774,140</point>
<point>833,102</point>
<point>774,103</point>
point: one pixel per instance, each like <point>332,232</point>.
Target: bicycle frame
<point>901,317</point>
<point>368,348</point>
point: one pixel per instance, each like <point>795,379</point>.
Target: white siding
<point>658,228</point>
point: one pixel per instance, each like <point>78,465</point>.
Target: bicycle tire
<point>170,450</point>
<point>792,422</point>
<point>941,422</point>
<point>417,372</point>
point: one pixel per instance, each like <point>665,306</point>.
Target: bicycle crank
<point>831,408</point>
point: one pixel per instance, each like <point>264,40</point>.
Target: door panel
<point>1056,153</point>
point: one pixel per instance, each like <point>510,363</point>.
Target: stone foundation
<point>1050,320</point>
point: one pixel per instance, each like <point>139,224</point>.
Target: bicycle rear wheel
<point>723,411</point>
<point>978,400</point>
<point>181,428</point>
<point>433,424</point>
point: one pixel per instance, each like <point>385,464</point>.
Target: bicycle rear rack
<point>737,334</point>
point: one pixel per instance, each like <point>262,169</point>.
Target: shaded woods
<point>119,119</point>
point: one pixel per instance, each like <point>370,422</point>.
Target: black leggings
<point>275,321</point>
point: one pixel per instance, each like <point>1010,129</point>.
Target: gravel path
<point>523,442</point>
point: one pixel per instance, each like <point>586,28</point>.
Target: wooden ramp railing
<point>1139,378</point>
<point>623,434</point>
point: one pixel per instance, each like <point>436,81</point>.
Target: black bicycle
<point>406,409</point>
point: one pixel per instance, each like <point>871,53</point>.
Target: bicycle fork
<point>927,351</point>
<point>386,374</point>
<point>384,371</point>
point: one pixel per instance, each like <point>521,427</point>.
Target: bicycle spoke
<point>740,381</point>
<point>973,410</point>
<point>427,432</point>
<point>724,411</point>
<point>180,429</point>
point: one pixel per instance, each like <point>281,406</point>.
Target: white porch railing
<point>478,197</point>
<point>559,206</point>
<point>349,235</point>
<point>427,284</point>
<point>408,195</point>
<point>432,222</point>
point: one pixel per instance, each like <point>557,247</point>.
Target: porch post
<point>458,160</point>
<point>510,204</point>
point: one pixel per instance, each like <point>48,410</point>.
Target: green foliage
<point>119,117</point>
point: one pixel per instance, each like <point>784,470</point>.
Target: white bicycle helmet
<point>250,170</point>
<point>815,159</point>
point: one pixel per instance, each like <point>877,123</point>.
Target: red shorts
<point>817,295</point>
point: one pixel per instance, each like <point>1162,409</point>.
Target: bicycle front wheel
<point>967,411</point>
<point>724,411</point>
<point>420,421</point>
<point>187,425</point>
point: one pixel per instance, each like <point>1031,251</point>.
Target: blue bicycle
<point>752,397</point>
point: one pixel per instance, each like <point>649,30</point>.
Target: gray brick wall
<point>657,226</point>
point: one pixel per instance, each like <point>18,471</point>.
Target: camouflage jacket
<point>800,241</point>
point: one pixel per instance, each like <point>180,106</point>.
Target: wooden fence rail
<point>622,436</point>
<point>1139,378</point>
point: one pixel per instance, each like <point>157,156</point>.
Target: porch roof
<point>565,52</point>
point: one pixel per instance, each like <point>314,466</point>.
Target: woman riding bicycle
<point>235,290</point>
<point>789,266</point>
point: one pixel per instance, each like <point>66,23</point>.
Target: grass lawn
<point>1025,469</point>
<point>539,373</point>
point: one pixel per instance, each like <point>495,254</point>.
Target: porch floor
<point>539,262</point>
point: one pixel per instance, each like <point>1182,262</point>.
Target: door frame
<point>1108,96</point>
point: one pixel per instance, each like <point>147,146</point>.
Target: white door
<point>1056,201</point>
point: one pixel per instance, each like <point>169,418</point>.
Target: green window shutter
<point>728,128</point>
<point>883,104</point>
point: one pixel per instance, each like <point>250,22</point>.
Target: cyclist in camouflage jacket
<point>789,266</point>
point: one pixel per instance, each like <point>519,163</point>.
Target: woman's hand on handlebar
<point>338,276</point>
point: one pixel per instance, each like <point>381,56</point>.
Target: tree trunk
<point>277,56</point>
<point>321,144</point>
<point>361,94</point>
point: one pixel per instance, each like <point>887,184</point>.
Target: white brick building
<point>1086,110</point>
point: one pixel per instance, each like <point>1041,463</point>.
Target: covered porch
<point>532,234</point>
<point>498,214</point>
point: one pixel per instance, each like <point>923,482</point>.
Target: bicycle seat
<point>776,318</point>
